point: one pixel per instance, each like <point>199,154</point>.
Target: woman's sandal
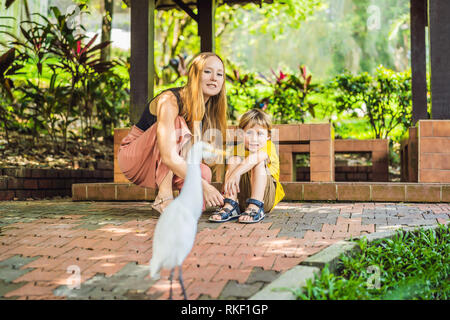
<point>157,205</point>
<point>257,215</point>
<point>227,214</point>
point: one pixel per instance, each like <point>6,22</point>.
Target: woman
<point>153,154</point>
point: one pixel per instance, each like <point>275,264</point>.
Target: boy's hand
<point>231,185</point>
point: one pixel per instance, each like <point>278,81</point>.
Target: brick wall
<point>316,139</point>
<point>409,156</point>
<point>379,149</point>
<point>342,173</point>
<point>27,183</point>
<point>434,151</point>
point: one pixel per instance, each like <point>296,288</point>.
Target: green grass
<point>413,265</point>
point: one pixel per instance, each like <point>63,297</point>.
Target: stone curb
<point>330,255</point>
<point>297,276</point>
<point>291,279</point>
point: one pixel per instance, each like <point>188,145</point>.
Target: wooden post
<point>206,24</point>
<point>439,28</point>
<point>142,56</point>
<point>418,60</point>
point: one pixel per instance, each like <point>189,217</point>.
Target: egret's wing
<point>173,237</point>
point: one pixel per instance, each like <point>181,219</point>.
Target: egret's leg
<point>180,278</point>
<point>170,278</point>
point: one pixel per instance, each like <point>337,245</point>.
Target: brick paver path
<point>45,245</point>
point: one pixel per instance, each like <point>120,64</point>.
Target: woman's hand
<point>211,195</point>
<point>231,184</point>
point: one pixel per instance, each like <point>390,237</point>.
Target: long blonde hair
<point>213,115</point>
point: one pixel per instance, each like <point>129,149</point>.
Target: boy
<point>253,180</point>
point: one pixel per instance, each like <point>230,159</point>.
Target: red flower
<point>280,77</point>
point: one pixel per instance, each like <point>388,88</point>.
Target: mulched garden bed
<point>22,152</point>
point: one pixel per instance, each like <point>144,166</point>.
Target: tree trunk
<point>105,54</point>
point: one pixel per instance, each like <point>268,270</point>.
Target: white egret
<point>177,226</point>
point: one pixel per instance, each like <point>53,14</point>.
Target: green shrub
<point>411,265</point>
<point>62,81</point>
<point>384,99</point>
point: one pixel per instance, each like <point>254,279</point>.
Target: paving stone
<point>6,287</point>
<point>135,295</point>
<point>17,261</point>
<point>259,274</point>
<point>8,274</point>
<point>331,220</point>
<point>291,279</point>
<point>99,294</point>
<point>320,215</point>
<point>310,214</point>
<point>393,221</point>
<point>74,293</point>
<point>89,226</point>
<point>402,220</point>
<point>295,213</point>
<point>320,220</point>
<point>440,216</point>
<point>235,289</point>
<point>294,219</point>
<point>422,222</point>
<point>313,227</point>
<point>287,227</point>
<point>132,283</point>
<point>380,221</point>
<point>133,270</point>
<point>367,215</point>
<point>295,234</point>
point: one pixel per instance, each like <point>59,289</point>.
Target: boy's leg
<point>258,182</point>
<point>233,162</point>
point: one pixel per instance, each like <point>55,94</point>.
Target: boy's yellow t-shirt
<point>273,165</point>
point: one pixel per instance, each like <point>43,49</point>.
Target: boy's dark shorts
<point>245,188</point>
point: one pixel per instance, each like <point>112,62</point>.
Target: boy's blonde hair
<point>255,117</point>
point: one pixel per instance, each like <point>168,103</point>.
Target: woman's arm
<point>166,113</point>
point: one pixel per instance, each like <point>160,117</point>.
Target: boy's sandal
<point>157,204</point>
<point>227,214</point>
<point>257,215</point>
